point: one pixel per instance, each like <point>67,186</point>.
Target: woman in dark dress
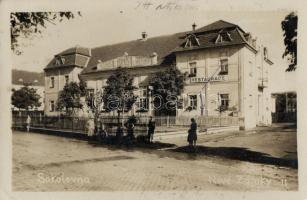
<point>130,130</point>
<point>192,133</point>
<point>151,129</point>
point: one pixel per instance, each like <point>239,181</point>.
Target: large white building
<point>225,66</point>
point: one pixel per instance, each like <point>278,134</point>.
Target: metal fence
<point>78,124</point>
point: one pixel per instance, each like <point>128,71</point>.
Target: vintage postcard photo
<point>154,96</point>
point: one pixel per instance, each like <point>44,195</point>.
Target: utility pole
<point>206,92</point>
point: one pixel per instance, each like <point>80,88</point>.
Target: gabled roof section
<point>21,77</point>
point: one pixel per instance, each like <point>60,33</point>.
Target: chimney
<point>144,36</point>
<point>194,26</point>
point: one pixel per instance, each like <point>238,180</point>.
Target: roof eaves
<point>108,70</point>
<point>248,45</point>
<point>60,66</point>
<point>207,47</point>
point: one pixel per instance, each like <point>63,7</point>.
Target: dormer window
<point>191,40</point>
<point>223,37</point>
<point>59,60</point>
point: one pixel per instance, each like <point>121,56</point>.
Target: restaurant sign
<point>206,79</point>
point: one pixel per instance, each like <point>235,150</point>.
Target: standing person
<point>90,127</point>
<point>192,133</point>
<point>130,130</point>
<point>28,122</point>
<point>151,129</point>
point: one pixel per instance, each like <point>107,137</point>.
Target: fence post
<point>64,122</point>
<point>72,124</point>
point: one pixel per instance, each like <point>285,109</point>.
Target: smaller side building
<point>284,107</point>
<point>21,78</point>
<point>65,67</point>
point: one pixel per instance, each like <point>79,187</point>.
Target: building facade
<point>227,71</point>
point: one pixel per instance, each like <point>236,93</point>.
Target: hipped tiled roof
<point>164,46</point>
<point>77,56</point>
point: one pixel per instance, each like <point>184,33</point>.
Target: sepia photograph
<point>154,96</point>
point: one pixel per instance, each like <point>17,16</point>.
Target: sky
<point>114,24</point>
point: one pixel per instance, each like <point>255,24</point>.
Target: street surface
<point>263,159</point>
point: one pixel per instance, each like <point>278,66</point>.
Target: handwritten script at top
<point>167,5</point>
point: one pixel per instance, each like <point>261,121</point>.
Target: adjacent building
<point>284,107</point>
<point>21,78</point>
<point>226,69</point>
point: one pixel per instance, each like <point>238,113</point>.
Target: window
<point>52,82</point>
<point>193,102</point>
<point>143,99</point>
<point>224,66</point>
<point>52,106</point>
<point>224,101</point>
<point>193,69</point>
<point>66,79</point>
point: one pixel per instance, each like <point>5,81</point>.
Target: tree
<point>118,94</point>
<point>167,86</point>
<point>25,24</point>
<point>69,98</point>
<point>25,98</point>
<point>289,26</point>
<point>94,102</point>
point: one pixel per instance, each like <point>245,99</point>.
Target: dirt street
<point>263,159</point>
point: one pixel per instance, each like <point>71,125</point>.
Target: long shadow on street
<point>238,153</point>
<point>200,152</point>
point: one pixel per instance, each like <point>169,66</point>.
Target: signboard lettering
<point>206,79</point>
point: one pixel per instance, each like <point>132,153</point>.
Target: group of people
<point>130,125</point>
<point>97,130</point>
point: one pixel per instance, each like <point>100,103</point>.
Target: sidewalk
<point>278,143</point>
